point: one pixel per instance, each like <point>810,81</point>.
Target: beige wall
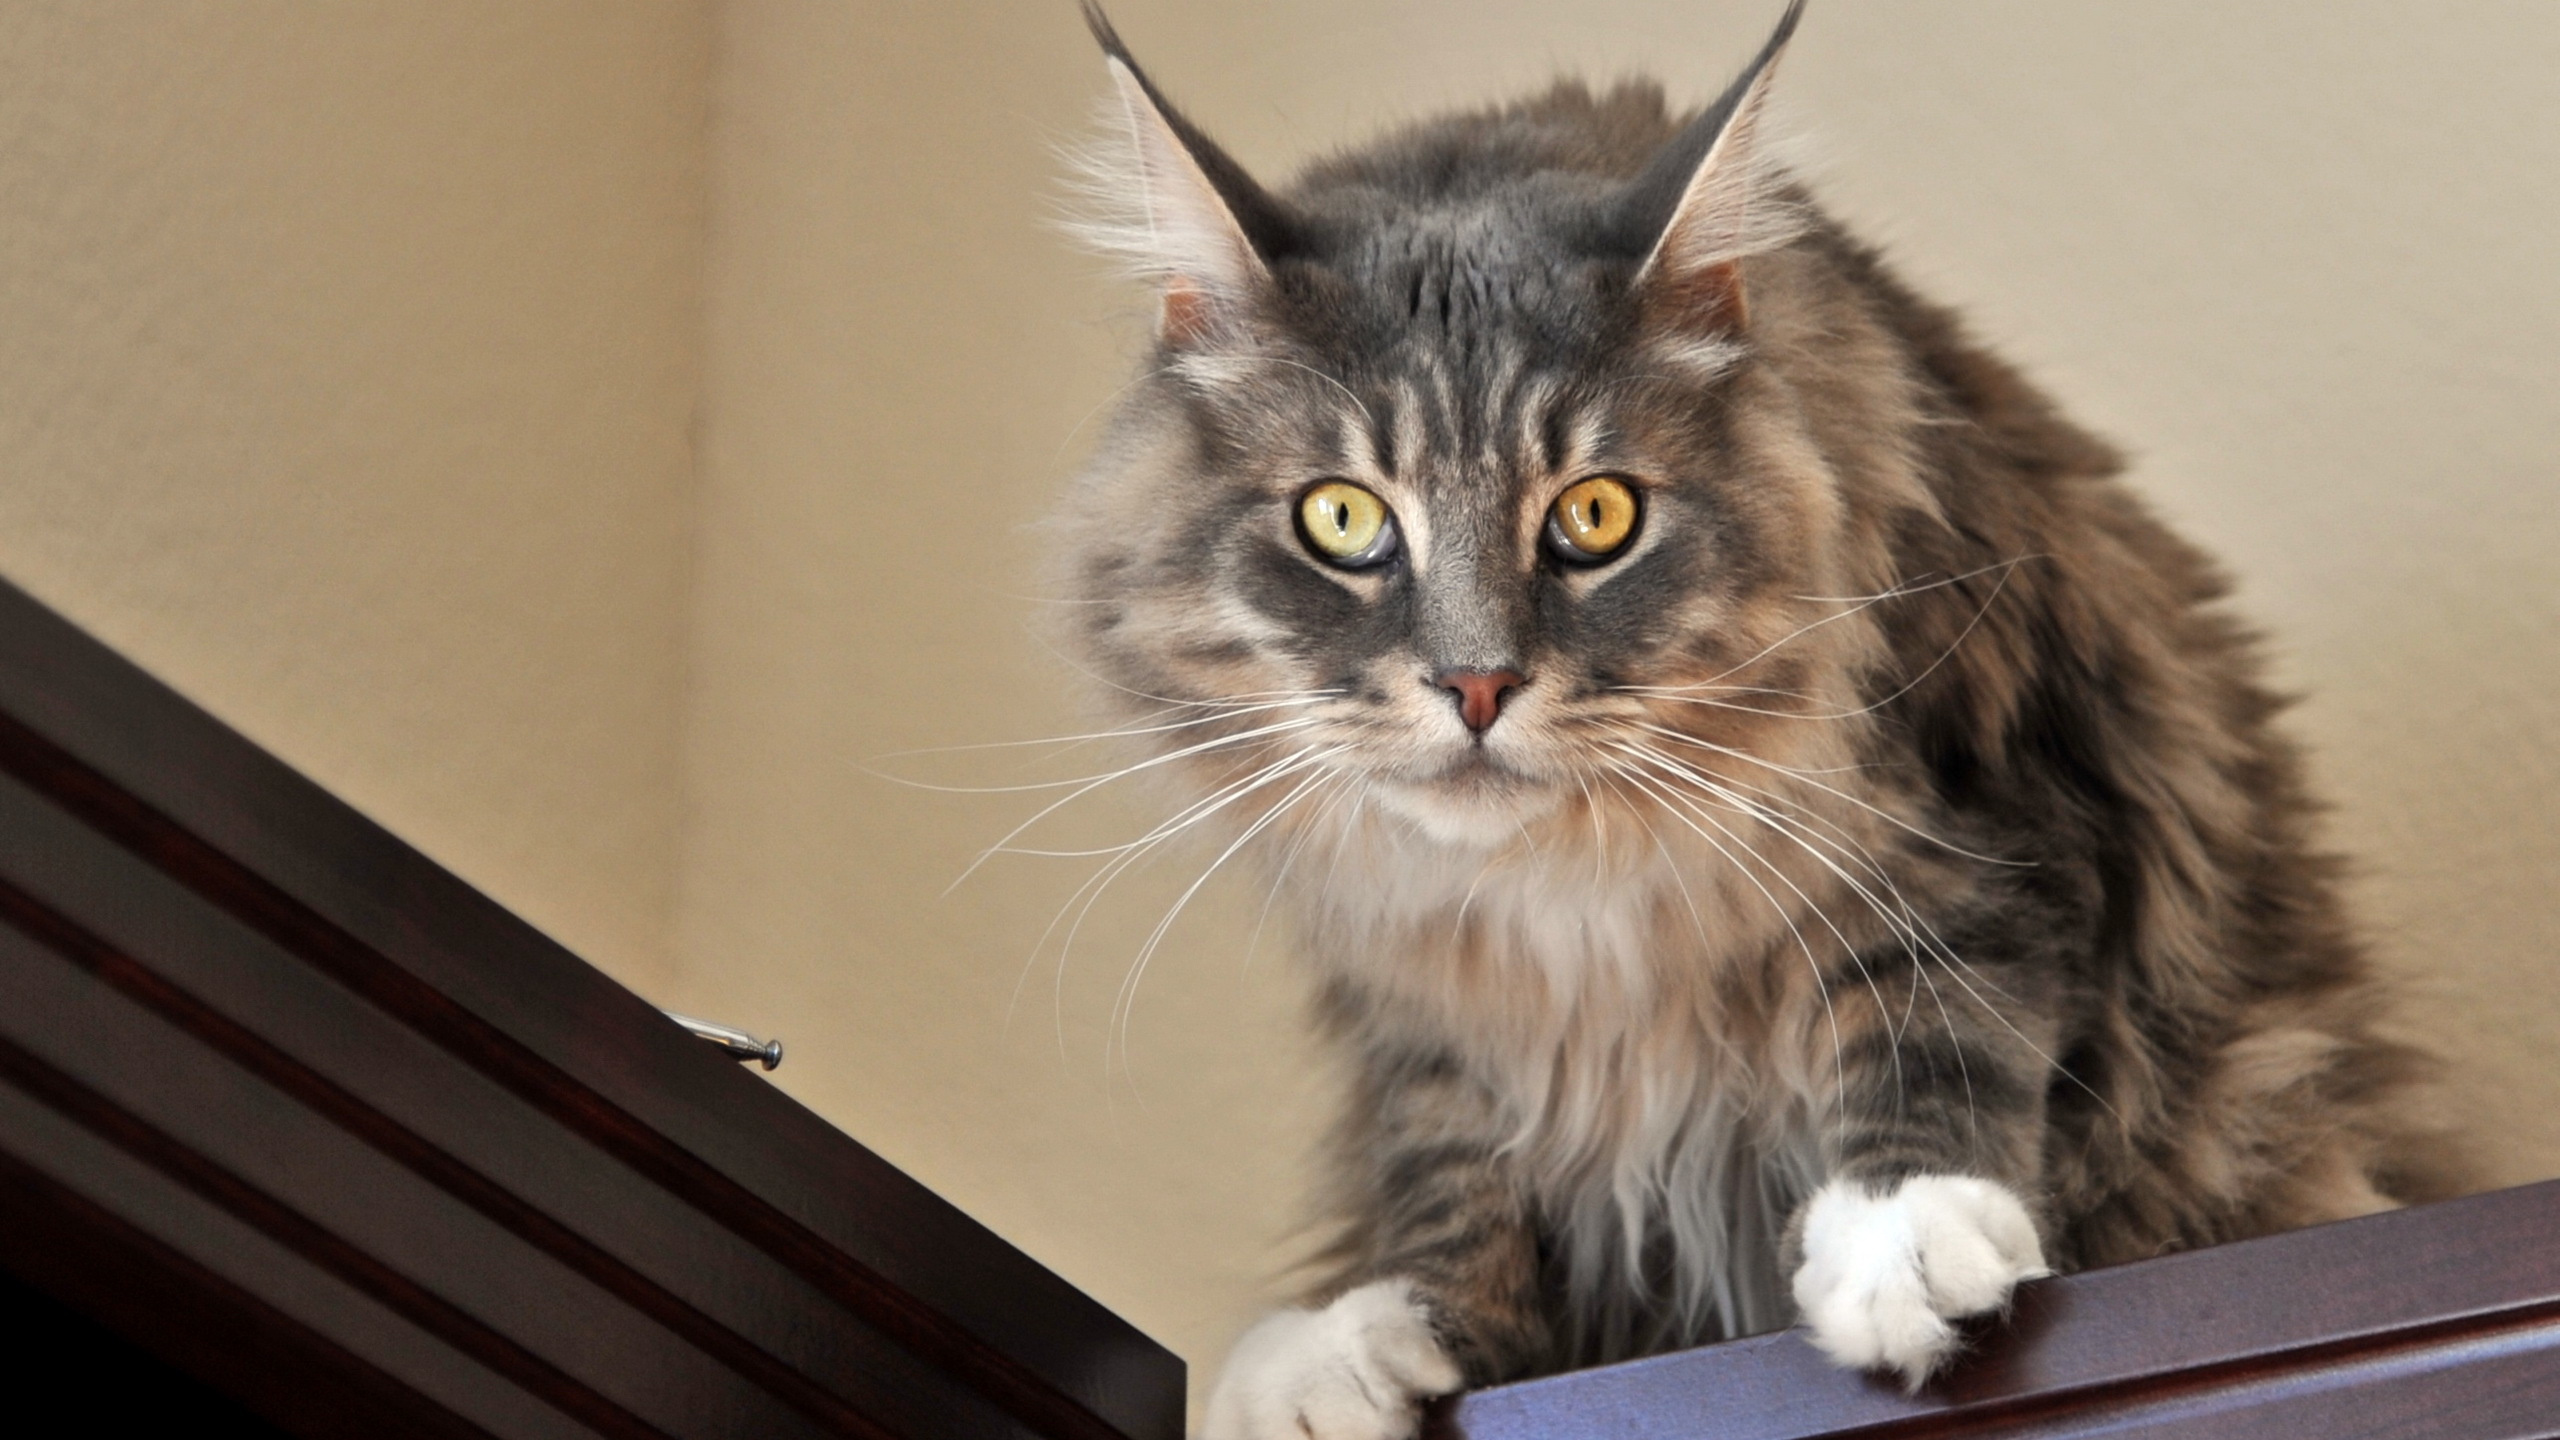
<point>347,364</point>
<point>350,357</point>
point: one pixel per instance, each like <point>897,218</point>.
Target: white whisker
<point>1125,1002</point>
<point>1847,948</point>
<point>1201,748</point>
<point>1806,776</point>
<point>1860,604</point>
<point>1920,940</point>
<point>1914,587</point>
<point>1839,1056</point>
<point>1609,777</point>
<point>1226,712</point>
<point>1289,862</point>
<point>1123,858</point>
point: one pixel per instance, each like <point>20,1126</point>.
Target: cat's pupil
<point>1595,515</point>
<point>1342,518</point>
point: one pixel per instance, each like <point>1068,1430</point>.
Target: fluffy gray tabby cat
<point>1783,833</point>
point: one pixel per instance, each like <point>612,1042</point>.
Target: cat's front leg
<point>1923,1222</point>
<point>1437,1282</point>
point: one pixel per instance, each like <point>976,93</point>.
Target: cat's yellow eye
<point>1347,525</point>
<point>1592,520</point>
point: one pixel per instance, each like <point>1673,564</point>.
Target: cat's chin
<point>1479,811</point>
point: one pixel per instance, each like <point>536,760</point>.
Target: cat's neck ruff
<point>1541,901</point>
<point>1597,930</point>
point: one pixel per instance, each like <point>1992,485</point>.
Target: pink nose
<point>1479,693</point>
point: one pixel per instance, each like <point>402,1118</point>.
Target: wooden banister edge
<point>2438,1276</point>
<point>787,1183</point>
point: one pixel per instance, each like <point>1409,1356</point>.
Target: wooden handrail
<point>2440,1322</point>
<point>292,1107</point>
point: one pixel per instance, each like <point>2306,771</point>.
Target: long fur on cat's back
<point>1900,799</point>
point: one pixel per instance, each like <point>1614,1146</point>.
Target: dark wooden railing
<point>2440,1323</point>
<point>303,1116</point>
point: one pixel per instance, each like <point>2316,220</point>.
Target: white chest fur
<point>1659,1131</point>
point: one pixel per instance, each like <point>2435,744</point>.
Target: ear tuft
<point>1165,201</point>
<point>1714,196</point>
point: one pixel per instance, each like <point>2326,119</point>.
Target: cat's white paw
<point>1883,1275</point>
<point>1358,1369</point>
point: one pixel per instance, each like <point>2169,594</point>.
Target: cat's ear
<point>1176,208</point>
<point>1712,196</point>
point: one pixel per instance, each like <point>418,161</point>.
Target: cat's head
<point>1458,463</point>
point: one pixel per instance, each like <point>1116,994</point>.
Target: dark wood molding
<point>258,1053</point>
<point>2441,1322</point>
